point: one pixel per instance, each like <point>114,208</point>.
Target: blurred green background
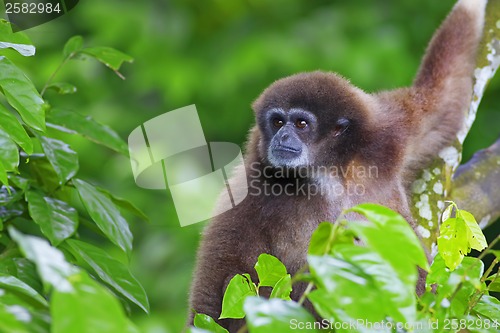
<point>219,55</point>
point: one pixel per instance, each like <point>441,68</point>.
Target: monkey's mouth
<point>287,149</point>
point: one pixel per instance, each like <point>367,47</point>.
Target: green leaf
<point>276,315</point>
<point>11,125</point>
<point>391,232</point>
<point>9,155</point>
<point>88,128</point>
<point>351,292</point>
<point>206,322</point>
<point>62,158</point>
<point>489,307</point>
<point>23,269</point>
<point>18,41</point>
<point>57,220</point>
<point>108,56</point>
<point>14,284</point>
<point>453,242</point>
<point>283,288</point>
<point>322,239</point>
<point>87,308</point>
<point>125,204</point>
<point>73,45</point>
<point>50,262</point>
<point>62,88</point>
<point>22,95</point>
<point>111,271</point>
<point>3,175</point>
<point>269,270</point>
<point>11,319</point>
<point>237,290</point>
<point>476,238</point>
<point>105,214</point>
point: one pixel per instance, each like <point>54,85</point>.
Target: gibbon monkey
<point>310,121</point>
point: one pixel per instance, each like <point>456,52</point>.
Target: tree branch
<point>476,185</point>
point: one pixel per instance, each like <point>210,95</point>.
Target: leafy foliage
<point>51,277</point>
<point>356,288</point>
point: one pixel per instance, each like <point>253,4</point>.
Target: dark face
<point>309,119</point>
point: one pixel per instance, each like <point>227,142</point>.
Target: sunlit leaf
<point>321,240</point>
<point>50,262</point>
<point>237,290</point>
<point>125,204</point>
<point>14,284</point>
<point>269,270</point>
<point>111,271</point>
<point>105,214</point>
<point>11,125</point>
<point>87,308</point>
<point>489,307</point>
<point>453,243</point>
<point>283,288</point>
<point>476,237</point>
<point>206,322</point>
<point>18,41</point>
<point>56,218</point>
<point>22,95</point>
<point>276,315</point>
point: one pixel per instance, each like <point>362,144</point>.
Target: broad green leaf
<point>31,320</point>
<point>108,56</point>
<point>56,218</point>
<point>206,322</point>
<point>14,284</point>
<point>466,278</point>
<point>322,239</point>
<point>9,155</point>
<point>283,288</point>
<point>397,298</point>
<point>476,237</point>
<point>18,41</point>
<point>73,45</point>
<point>391,232</point>
<point>22,95</point>
<point>447,212</point>
<point>453,242</point>
<point>23,269</point>
<point>50,262</point>
<point>87,308</point>
<point>62,158</point>
<point>11,125</point>
<point>88,128</point>
<point>62,88</point>
<point>489,307</point>
<point>111,271</point>
<point>3,175</point>
<point>269,270</point>
<point>276,315</point>
<point>11,319</point>
<point>125,204</point>
<point>44,174</point>
<point>352,293</point>
<point>237,290</point>
<point>105,214</point>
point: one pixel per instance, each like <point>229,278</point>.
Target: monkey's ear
<point>450,57</point>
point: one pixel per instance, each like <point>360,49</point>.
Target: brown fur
<point>397,131</point>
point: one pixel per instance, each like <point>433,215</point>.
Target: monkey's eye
<point>301,123</point>
<point>342,125</point>
<point>278,123</point>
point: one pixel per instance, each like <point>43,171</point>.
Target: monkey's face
<point>312,119</point>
